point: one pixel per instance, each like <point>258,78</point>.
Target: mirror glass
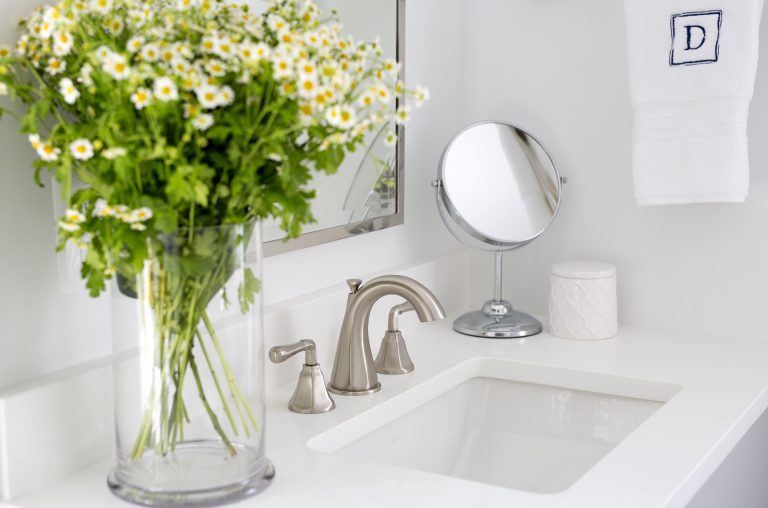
<point>362,195</point>
<point>500,185</point>
<point>497,189</point>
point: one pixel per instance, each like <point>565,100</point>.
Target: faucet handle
<point>393,357</point>
<point>279,354</point>
<point>354,285</point>
<point>310,396</point>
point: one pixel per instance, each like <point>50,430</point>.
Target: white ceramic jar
<point>582,300</point>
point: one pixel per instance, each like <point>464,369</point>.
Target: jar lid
<point>583,270</point>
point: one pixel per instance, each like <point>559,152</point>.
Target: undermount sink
<point>515,425</point>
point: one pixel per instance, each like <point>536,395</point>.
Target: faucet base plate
<point>375,388</point>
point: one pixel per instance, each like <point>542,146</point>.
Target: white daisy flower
<point>48,152</point>
<point>307,87</point>
<point>73,216</point>
<point>208,96</point>
<point>347,118</point>
<point>180,66</point>
<point>261,51</point>
<point>421,95</point>
<point>85,75</point>
<point>141,98</point>
<point>402,115</point>
<point>101,6</point>
<point>367,99</point>
<point>134,44</point>
<point>56,66</point>
<point>215,68</point>
<point>115,26</point>
<point>68,90</point>
<point>81,149</point>
<point>382,94</point>
<point>34,140</point>
<point>114,153</point>
<point>137,226</point>
<point>226,96</point>
<point>392,67</point>
<point>62,44</point>
<point>150,52</point>
<point>52,14</point>
<point>306,68</point>
<point>282,65</point>
<point>224,48</point>
<point>67,226</point>
<point>247,53</point>
<point>102,53</point>
<point>203,121</point>
<point>141,214</point>
<point>45,29</point>
<point>184,5</point>
<point>102,209</point>
<point>391,138</point>
<point>117,67</point>
<point>208,44</point>
<point>333,116</point>
<point>165,89</point>
<point>277,23</point>
<point>5,51</point>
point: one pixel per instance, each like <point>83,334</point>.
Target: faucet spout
<point>354,371</point>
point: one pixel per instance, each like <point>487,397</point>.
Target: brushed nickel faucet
<point>354,371</point>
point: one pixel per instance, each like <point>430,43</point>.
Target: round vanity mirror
<point>497,189</point>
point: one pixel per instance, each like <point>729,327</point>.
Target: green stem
<point>211,414</point>
<point>218,385</point>
<point>228,371</point>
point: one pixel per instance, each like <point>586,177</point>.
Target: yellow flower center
<point>80,149</point>
<point>166,90</point>
<point>209,96</point>
<point>119,67</point>
<point>306,109</point>
<point>346,116</point>
<point>48,149</point>
<point>141,97</point>
<point>309,86</point>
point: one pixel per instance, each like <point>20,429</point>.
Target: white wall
<point>42,330</point>
<point>560,69</point>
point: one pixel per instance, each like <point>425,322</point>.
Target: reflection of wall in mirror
<point>364,20</point>
<point>490,180</point>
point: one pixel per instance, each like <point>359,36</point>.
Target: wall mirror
<point>366,193</point>
<point>497,189</point>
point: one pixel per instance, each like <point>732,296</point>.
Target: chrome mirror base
<point>497,320</point>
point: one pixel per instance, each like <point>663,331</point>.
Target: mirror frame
<point>331,234</point>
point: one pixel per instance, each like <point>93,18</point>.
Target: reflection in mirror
<point>497,189</point>
<point>363,194</point>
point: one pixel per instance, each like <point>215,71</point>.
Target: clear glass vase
<point>189,371</point>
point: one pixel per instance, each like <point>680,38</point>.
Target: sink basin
<point>515,425</point>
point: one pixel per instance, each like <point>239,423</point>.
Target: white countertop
<point>724,389</point>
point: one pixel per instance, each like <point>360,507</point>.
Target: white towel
<point>692,68</point>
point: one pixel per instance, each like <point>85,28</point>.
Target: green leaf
<point>248,289</point>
